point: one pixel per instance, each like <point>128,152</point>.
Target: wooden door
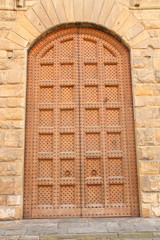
<point>80,151</point>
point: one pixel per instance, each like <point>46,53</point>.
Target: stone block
<point>34,19</point>
<point>59,7</point>
<point>24,33</point>
<point>48,6</point>
<point>150,183</point>
<point>88,6</point>
<point>139,62</point>
<point>11,155</point>
<point>146,153</point>
<point>156,90</point>
<point>149,167</point>
<point>143,90</point>
<point>151,24</point>
<point>3,103</point>
<point>42,15</point>
<point>78,9</point>
<point>12,91</point>
<point>3,76</point>
<point>7,16</point>
<point>3,54</point>
<point>146,210</point>
<point>115,12</point>
<point>18,186</point>
<point>145,136</point>
<point>10,168</point>
<point>149,197</point>
<point>157,74</point>
<point>3,200</point>
<point>13,138</point>
<point>97,6</point>
<point>14,200</point>
<point>121,19</point>
<point>7,185</point>
<point>134,31</point>
<point>15,102</point>
<point>156,62</point>
<point>145,76</point>
<point>106,9</point>
<point>15,76</point>
<point>128,24</point>
<point>156,210</point>
<point>11,124</point>
<point>14,37</point>
<point>69,10</point>
<point>157,134</point>
<point>141,37</point>
<point>152,42</point>
<point>7,44</point>
<point>7,213</point>
<point>9,114</point>
<point>26,24</point>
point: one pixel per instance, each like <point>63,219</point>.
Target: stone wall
<point>138,28</point>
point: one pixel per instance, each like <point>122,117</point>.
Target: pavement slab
<point>81,229</point>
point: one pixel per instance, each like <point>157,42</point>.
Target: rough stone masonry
<point>137,23</point>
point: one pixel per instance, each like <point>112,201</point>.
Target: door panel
<point>80,154</point>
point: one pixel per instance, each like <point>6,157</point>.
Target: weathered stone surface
<point>13,138</point>
<point>48,6</point>
<point>143,90</point>
<point>157,73</point>
<point>134,31</point>
<point>139,29</point>
<point>149,197</point>
<point>12,91</point>
<point>156,210</point>
<point>78,8</point>
<point>33,18</point>
<point>7,15</point>
<point>145,137</point>
<point>146,153</point>
<point>41,13</point>
<point>13,200</point>
<point>7,185</point>
<point>106,8</point>
<point>3,200</point>
<point>149,167</point>
<point>150,183</point>
<point>69,10</point>
<point>17,39</point>
<point>9,114</point>
<point>7,213</point>
<point>10,168</point>
<point>11,124</point>
<point>145,76</point>
<point>15,102</point>
<point>7,154</point>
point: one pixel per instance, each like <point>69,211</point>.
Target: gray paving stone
<point>15,232</point>
<point>29,238</point>
<point>126,227</point>
<point>113,227</point>
<point>101,229</point>
<point>9,238</point>
<point>79,225</point>
<point>2,232</point>
<point>145,227</point>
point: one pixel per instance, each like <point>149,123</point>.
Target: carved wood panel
<point>80,151</point>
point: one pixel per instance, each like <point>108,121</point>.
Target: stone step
<point>108,236</point>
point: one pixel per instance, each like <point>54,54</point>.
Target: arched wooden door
<point>80,150</point>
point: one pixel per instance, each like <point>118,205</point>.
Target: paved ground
<point>81,229</point>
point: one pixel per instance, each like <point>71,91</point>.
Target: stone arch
<point>47,14</point>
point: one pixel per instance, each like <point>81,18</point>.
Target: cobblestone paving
<point>81,229</point>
